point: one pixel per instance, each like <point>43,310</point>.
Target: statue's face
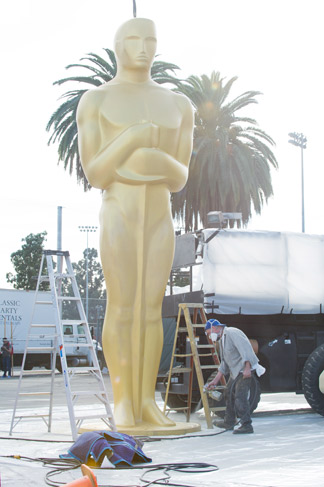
<point>136,46</point>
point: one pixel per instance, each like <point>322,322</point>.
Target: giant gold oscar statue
<point>135,142</point>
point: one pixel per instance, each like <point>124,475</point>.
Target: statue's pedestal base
<point>146,429</point>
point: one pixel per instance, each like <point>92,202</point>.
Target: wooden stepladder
<point>67,329</point>
<point>199,352</point>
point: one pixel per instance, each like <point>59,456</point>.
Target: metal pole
<point>87,280</point>
<point>302,183</point>
<point>299,140</point>
<point>59,228</point>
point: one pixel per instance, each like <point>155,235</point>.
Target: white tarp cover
<point>259,272</point>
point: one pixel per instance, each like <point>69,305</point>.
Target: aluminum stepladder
<point>65,298</point>
<point>198,352</point>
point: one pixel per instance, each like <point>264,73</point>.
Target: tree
<point>63,121</point>
<point>231,158</point>
<point>26,262</point>
<point>96,289</point>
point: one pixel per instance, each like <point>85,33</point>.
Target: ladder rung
<point>38,349</point>
<point>184,408</point>
<point>41,336</point>
<point>45,325</point>
<point>83,369</point>
<point>182,355</point>
<point>35,393</point>
<point>103,415</point>
<point>181,370</point>
<point>209,366</point>
<point>68,298</point>
<point>73,322</point>
<point>198,325</point>
<point>36,372</point>
<point>205,346</point>
<point>44,302</point>
<point>21,416</point>
<point>88,393</point>
<point>56,275</point>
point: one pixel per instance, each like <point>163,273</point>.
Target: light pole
<point>300,141</point>
<point>87,229</point>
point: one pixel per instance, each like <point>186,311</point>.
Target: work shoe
<point>244,429</point>
<point>223,425</point>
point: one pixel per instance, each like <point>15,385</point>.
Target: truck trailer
<point>268,284</point>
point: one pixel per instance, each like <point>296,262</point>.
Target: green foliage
<point>26,262</point>
<point>230,164</point>
<point>63,124</point>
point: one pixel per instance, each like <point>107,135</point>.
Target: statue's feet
<point>123,414</point>
<point>153,415</point>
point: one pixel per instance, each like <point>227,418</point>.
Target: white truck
<point>16,308</point>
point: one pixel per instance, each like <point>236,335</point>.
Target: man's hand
<point>215,381</point>
<point>247,371</point>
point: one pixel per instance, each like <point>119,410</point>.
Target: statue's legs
<point>118,254</point>
<point>136,254</point>
<point>159,250</point>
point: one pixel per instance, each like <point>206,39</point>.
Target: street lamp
<point>87,229</point>
<point>300,141</point>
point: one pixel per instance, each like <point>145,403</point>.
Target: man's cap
<point>212,322</point>
<point>5,339</point>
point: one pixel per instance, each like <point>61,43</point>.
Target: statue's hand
<point>146,134</point>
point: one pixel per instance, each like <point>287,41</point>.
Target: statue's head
<point>135,44</point>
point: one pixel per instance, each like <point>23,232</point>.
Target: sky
<point>272,46</point>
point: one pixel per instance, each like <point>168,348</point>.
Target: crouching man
<point>240,362</point>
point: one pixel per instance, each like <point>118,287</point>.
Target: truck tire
<point>178,401</point>
<point>312,370</point>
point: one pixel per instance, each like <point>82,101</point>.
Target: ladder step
<point>41,336</point>
<point>181,370</point>
<point>184,408</point>
<point>205,346</point>
<point>45,325</point>
<point>36,372</point>
<point>68,298</point>
<point>72,322</point>
<point>83,369</point>
<point>38,349</point>
<point>35,393</point>
<point>209,366</point>
<point>57,275</point>
<point>103,415</point>
<point>21,416</point>
<point>179,355</point>
<point>88,393</point>
<point>44,302</point>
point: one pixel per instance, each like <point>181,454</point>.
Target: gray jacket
<point>235,350</point>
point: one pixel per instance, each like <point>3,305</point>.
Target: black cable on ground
<point>63,465</point>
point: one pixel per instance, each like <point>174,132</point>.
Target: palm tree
<point>62,123</point>
<point>231,158</point>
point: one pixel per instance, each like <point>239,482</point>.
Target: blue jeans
<point>6,364</point>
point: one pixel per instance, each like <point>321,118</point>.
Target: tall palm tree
<point>231,158</point>
<point>62,123</point>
